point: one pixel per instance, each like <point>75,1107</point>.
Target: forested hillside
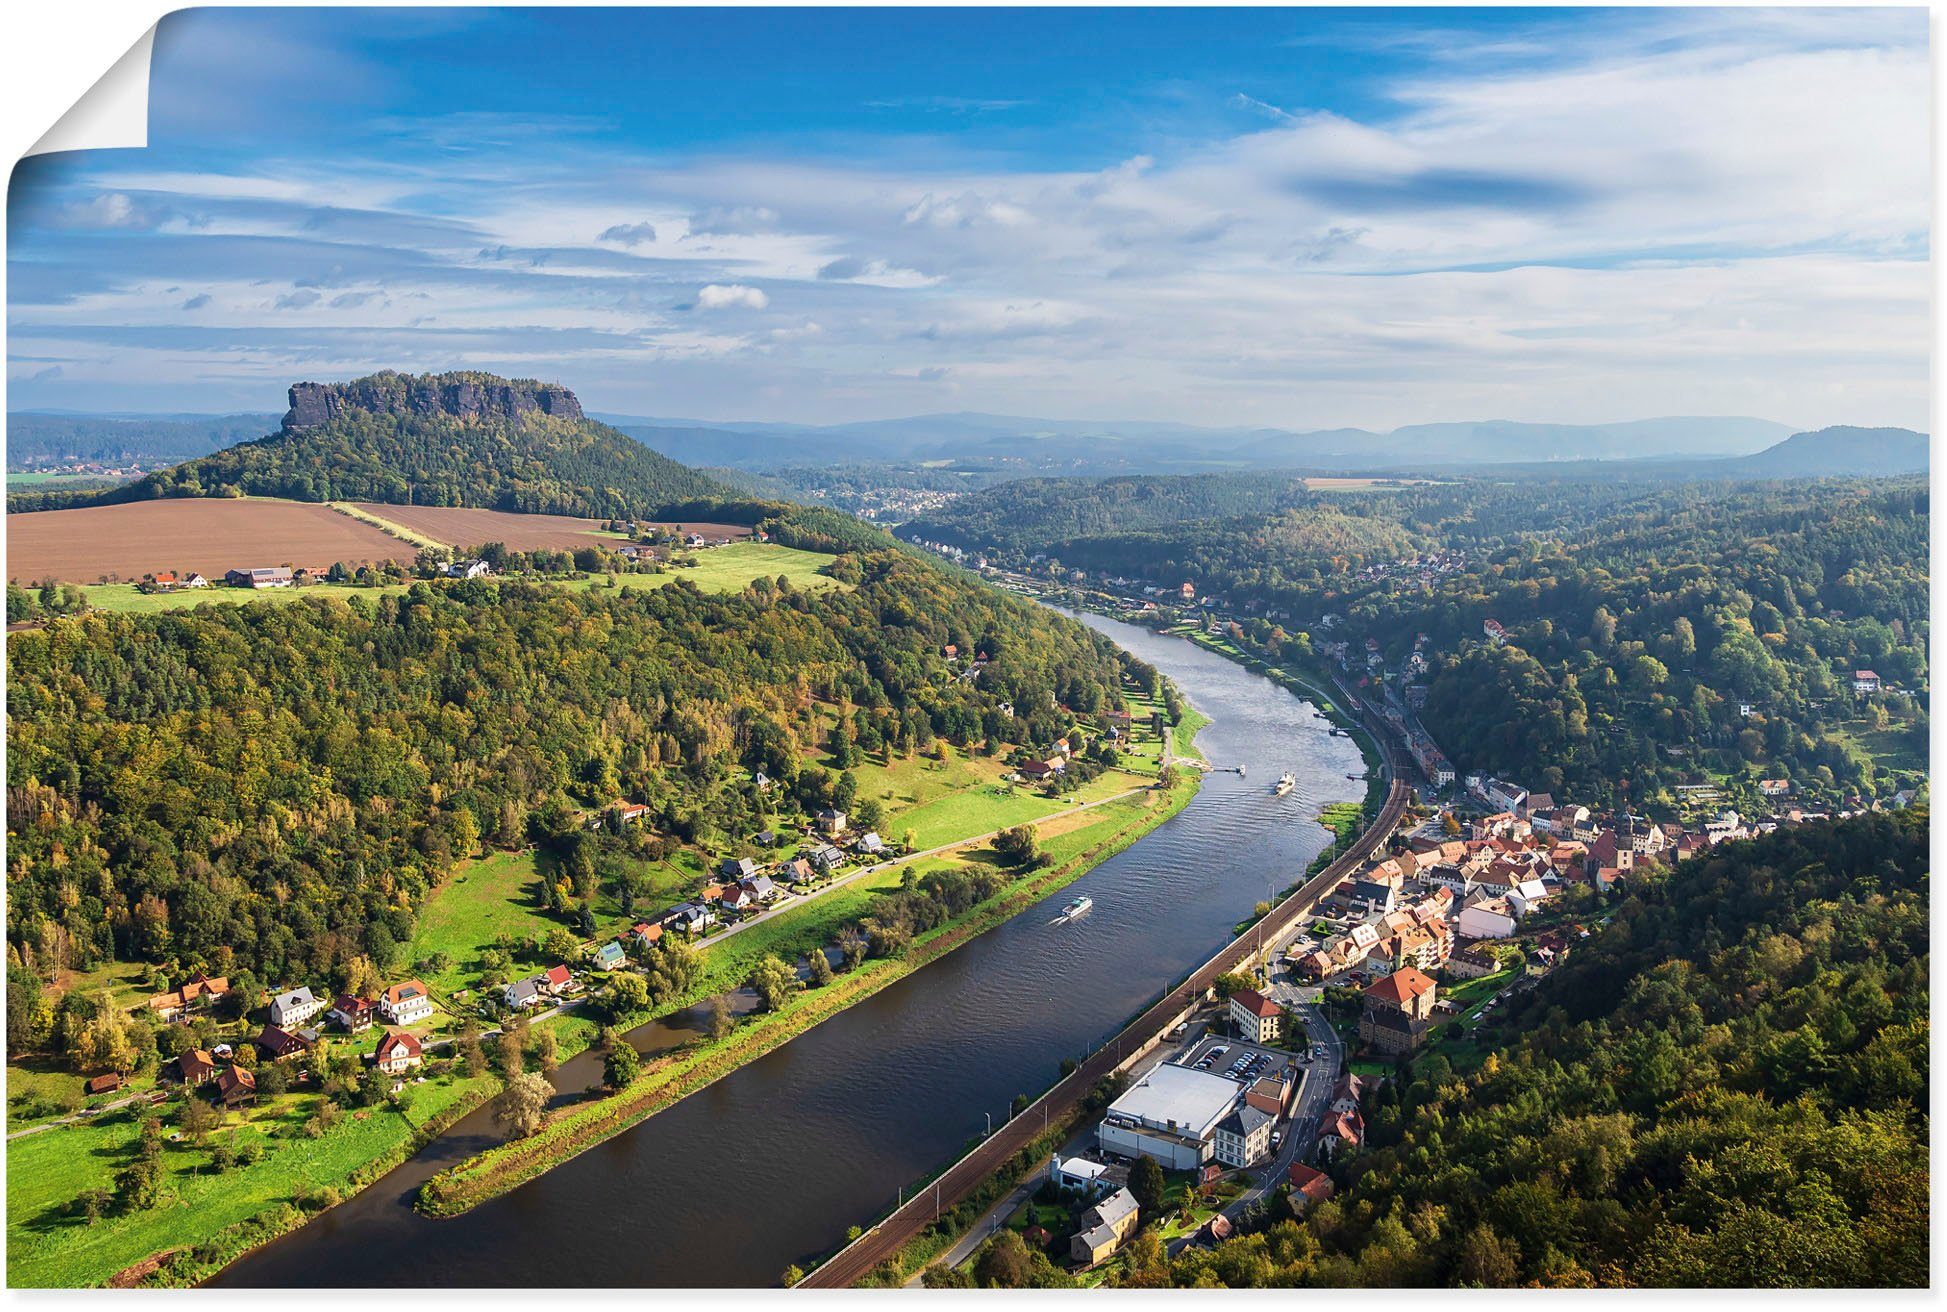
<point>459,439</point>
<point>277,787</point>
<point>1038,514</point>
<point>1656,631</point>
<point>1727,1087</point>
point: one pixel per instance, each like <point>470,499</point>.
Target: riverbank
<point>669,1079</point>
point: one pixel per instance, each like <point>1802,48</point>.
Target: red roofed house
<point>1256,1017</point>
<point>558,977</point>
<point>1343,1132</point>
<point>1865,681</point>
<point>197,1067</point>
<point>397,1053</point>
<point>1309,1185</point>
<point>1397,1011</point>
<point>236,1086</point>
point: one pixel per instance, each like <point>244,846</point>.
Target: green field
<point>127,599</point>
<point>500,894</point>
<point>46,1247</point>
<point>731,569</point>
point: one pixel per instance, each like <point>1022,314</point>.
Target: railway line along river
<point>770,1165</point>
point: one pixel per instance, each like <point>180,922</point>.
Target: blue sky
<point>1300,218</point>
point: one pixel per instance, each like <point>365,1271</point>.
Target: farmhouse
<point>236,1086</point>
<point>262,576</point>
<point>397,1053</point>
<point>407,1003</point>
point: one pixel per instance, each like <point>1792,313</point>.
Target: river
<point>770,1165</point>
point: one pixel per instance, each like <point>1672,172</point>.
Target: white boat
<point>1286,782</point>
<point>1079,907</point>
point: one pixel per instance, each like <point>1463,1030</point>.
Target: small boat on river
<point>1286,782</point>
<point>1074,910</point>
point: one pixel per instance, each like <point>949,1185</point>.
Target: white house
<point>293,1007</point>
<point>407,1003</point>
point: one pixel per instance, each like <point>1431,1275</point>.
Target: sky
<point>1263,217</point>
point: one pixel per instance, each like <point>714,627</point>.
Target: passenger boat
<point>1286,782</point>
<point>1079,907</point>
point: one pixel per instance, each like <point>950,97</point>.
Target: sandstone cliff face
<point>463,396</point>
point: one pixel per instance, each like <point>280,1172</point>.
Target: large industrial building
<point>1216,1101</point>
<point>1171,1115</point>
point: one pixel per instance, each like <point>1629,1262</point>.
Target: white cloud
<point>719,297</point>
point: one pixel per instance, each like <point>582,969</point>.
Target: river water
<point>770,1165</point>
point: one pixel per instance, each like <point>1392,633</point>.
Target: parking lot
<point>1237,1060</point>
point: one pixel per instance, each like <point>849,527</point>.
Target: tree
<point>821,968</point>
<point>620,1064</point>
<point>774,982</point>
<point>1016,846</point>
<point>717,1021</point>
<point>1146,1183</point>
<point>543,1042</point>
<point>523,1104</point>
<point>198,1117</point>
<point>513,1051</point>
<point>852,946</point>
<point>627,995</point>
<point>1004,1262</point>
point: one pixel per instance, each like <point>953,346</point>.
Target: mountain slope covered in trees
<point>278,787</point>
<point>1727,1087</point>
<point>1659,634</point>
<point>456,439</point>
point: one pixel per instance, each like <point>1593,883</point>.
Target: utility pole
<point>990,1123</point>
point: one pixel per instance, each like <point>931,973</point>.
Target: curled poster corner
<point>113,113</point>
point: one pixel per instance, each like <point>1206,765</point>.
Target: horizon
<point>1297,220</point>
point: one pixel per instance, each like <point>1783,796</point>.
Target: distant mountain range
<point>1092,446</point>
<point>1011,446</point>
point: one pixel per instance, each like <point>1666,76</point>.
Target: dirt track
<point>128,541</point>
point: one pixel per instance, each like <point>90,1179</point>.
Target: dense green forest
<point>1727,1087</point>
<point>278,787</point>
<point>1645,621</point>
<point>1040,514</point>
<point>381,439</point>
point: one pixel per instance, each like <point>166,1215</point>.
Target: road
<point>960,1179</point>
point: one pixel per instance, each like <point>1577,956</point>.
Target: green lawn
<point>45,1172</point>
<point>732,568</point>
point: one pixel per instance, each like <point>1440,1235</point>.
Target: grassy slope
<point>46,1171</point>
<point>720,569</point>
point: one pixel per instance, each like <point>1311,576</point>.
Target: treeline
<point>1727,1087</point>
<point>36,441</point>
<point>278,787</point>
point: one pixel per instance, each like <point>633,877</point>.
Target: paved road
<point>851,1263</point>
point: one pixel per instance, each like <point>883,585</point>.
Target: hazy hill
<point>37,440</point>
<point>1137,446</point>
<point>455,439</point>
<point>1837,453</point>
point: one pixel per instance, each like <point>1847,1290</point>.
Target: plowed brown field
<point>125,542</point>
